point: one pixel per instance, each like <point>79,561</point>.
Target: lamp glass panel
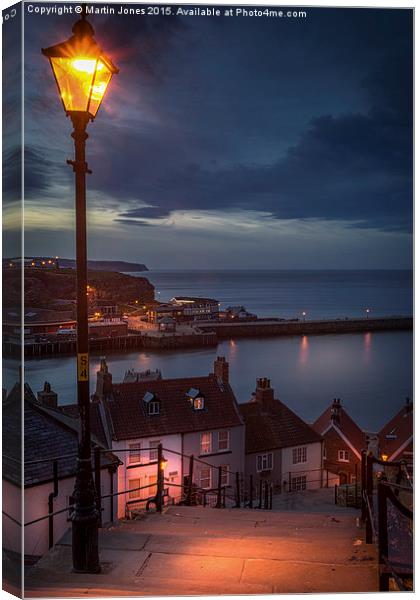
<point>74,78</point>
<point>100,83</point>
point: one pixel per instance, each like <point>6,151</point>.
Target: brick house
<point>192,415</point>
<point>280,447</point>
<point>396,437</point>
<point>343,442</point>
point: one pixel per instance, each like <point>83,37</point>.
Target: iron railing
<point>190,493</point>
<point>379,494</point>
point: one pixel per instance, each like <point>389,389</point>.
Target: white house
<point>280,447</point>
<point>189,416</point>
<point>49,436</point>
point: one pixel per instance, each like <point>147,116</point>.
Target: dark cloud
<point>298,120</point>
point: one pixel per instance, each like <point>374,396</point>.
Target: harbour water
<point>372,373</point>
<point>321,294</point>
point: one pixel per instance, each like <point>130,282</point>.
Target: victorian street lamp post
<point>82,73</point>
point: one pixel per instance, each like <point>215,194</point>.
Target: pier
<point>275,327</point>
<point>209,334</point>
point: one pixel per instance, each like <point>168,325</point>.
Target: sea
<point>372,373</point>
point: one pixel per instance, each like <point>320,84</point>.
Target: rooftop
<point>355,435</point>
<point>398,431</point>
<point>48,434</point>
<point>278,428</point>
<point>130,419</point>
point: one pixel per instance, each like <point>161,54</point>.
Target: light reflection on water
<point>371,372</point>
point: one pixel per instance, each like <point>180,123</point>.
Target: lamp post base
<point>85,522</point>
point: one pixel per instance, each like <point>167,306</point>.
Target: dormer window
<point>196,399</point>
<point>154,407</point>
<point>152,403</point>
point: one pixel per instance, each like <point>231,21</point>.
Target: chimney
<point>264,393</point>
<point>336,411</point>
<point>103,381</point>
<point>221,369</point>
<point>47,397</point>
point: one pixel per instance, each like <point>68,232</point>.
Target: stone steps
<point>196,550</point>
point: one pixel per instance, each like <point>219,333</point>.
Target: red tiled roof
<point>399,430</point>
<point>279,428</point>
<point>350,429</point>
<point>129,416</point>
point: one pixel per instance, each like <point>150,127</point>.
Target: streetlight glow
<point>81,69</point>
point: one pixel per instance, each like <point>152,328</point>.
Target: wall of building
<point>275,474</point>
<point>233,458</point>
<point>284,468</point>
<point>148,474</point>
<point>36,505</point>
<point>311,468</point>
<point>346,470</point>
<point>12,506</point>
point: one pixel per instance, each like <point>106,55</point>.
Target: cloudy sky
<point>232,142</point>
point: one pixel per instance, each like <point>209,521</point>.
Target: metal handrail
<point>115,450</point>
<point>370,511</point>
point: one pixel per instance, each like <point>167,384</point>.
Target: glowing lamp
<point>384,457</point>
<point>163,463</point>
<point>81,69</point>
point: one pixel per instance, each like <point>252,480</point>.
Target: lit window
<point>135,454</point>
<point>298,484</point>
<point>205,477</point>
<point>223,440</point>
<point>153,452</point>
<point>199,403</point>
<point>343,456</point>
<point>154,407</point>
<point>132,485</point>
<point>299,455</point>
<point>225,475</point>
<point>264,462</point>
<point>205,443</point>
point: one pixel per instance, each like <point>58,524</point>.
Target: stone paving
<point>196,550</point>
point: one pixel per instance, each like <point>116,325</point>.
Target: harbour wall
<point>210,334</point>
<point>287,328</point>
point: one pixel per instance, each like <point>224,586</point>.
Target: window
<point>299,455</point>
<point>199,403</point>
<point>154,407</point>
<point>343,456</point>
<point>132,485</point>
<point>223,440</point>
<point>153,452</point>
<point>205,443</point>
<point>264,462</point>
<point>298,483</point>
<point>205,477</point>
<point>225,474</point>
<point>195,398</point>
<point>135,454</point>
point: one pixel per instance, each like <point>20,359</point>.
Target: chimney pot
<point>47,397</point>
<point>221,369</point>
